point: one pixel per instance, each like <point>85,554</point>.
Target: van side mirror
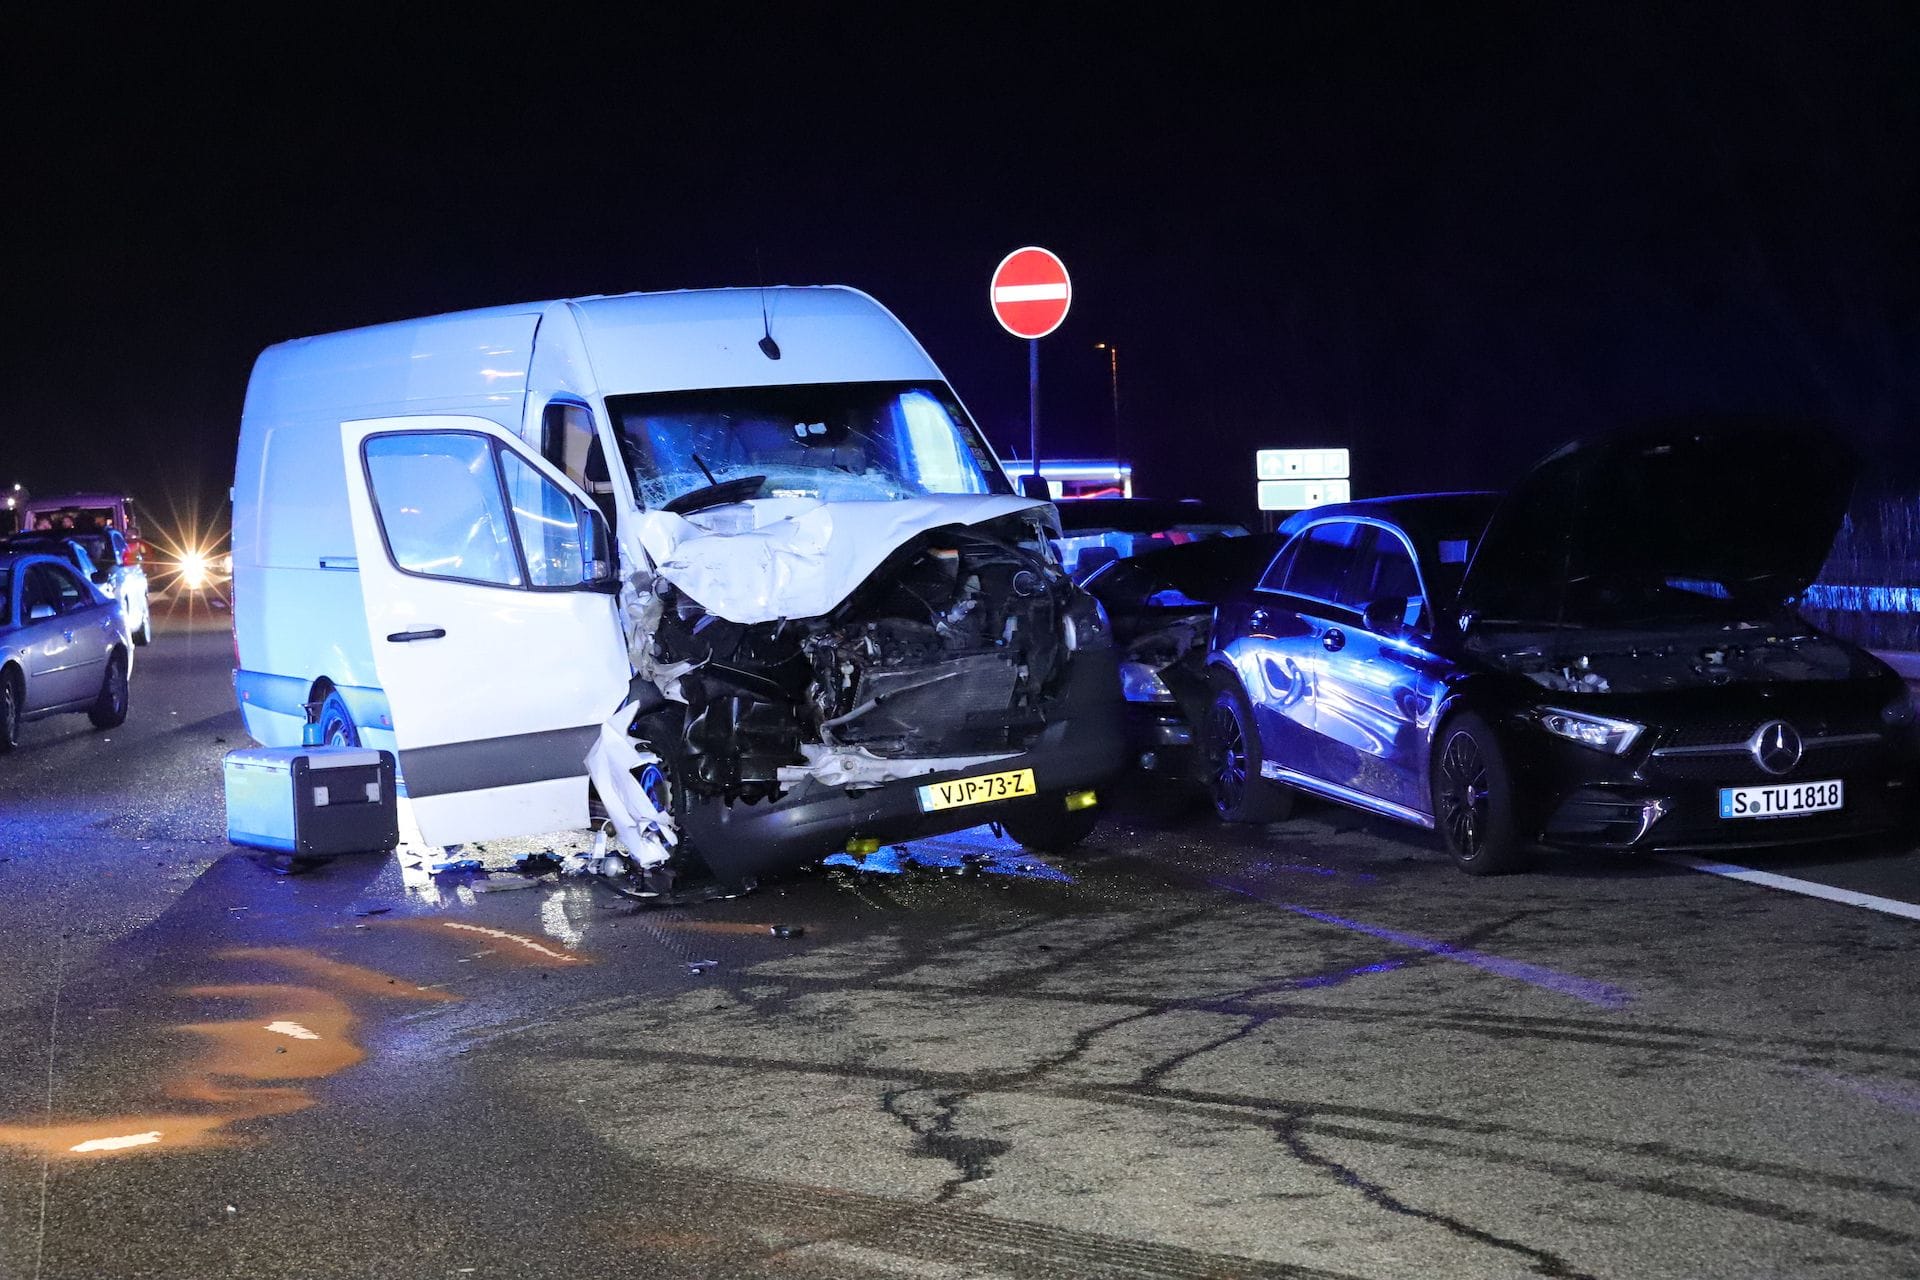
<point>1387,615</point>
<point>1035,486</point>
<point>601,568</point>
<point>101,577</point>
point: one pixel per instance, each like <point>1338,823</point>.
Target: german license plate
<point>1788,800</point>
<point>1011,785</point>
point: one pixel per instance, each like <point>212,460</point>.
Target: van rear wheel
<point>337,728</point>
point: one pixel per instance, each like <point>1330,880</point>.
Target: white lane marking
<point>1028,292</point>
<point>293,1029</point>
<point>116,1144</point>
<point>1807,888</point>
<point>528,943</point>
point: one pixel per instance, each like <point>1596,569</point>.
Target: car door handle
<point>423,633</point>
<point>1334,641</point>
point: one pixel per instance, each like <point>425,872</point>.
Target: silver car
<point>64,646</point>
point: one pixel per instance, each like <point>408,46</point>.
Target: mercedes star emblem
<point>1776,747</point>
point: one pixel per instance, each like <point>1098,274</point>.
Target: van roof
<point>71,500</point>
<point>627,343</point>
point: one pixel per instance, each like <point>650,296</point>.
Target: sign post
<point>1030,294</point>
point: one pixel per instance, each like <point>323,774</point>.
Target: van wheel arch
<point>335,718</point>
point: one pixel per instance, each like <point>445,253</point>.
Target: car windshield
<point>833,441</point>
<point>98,546</point>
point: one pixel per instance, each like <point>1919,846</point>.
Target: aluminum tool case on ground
<point>312,801</point>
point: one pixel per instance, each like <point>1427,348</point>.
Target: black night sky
<point>1448,236</point>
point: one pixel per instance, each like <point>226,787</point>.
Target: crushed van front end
<point>963,680</point>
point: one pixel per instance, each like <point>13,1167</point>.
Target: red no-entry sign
<point>1030,293</point>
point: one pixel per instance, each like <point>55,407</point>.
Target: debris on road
<point>698,967</point>
<point>787,930</point>
<point>502,881</point>
<point>374,911</point>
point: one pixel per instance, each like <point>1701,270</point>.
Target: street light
<point>1113,378</point>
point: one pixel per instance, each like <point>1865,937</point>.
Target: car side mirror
<point>101,577</point>
<point>1036,486</point>
<point>601,570</point>
<point>39,613</point>
<point>1387,615</point>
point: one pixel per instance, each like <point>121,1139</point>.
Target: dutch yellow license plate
<point>1011,785</point>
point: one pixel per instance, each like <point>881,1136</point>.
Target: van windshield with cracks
<point>833,441</point>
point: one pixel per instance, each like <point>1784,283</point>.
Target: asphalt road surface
<point>1312,1050</point>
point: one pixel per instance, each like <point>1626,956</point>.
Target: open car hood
<point>1743,510</point>
<point>771,558</point>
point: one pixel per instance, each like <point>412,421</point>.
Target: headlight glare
<point>1141,683</point>
<point>1599,732</point>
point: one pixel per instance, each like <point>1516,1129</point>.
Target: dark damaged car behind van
<point>1608,656</point>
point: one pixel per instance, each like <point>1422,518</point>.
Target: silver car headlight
<point>1141,683</point>
<point>1599,732</point>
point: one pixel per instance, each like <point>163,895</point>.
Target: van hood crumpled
<point>772,558</point>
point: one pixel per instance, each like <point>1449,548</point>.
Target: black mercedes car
<point>1607,656</point>
<point>1161,604</point>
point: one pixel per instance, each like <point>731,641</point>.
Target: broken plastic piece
<point>457,864</point>
<point>787,930</point>
<point>698,967</point>
<point>501,881</point>
<point>646,833</point>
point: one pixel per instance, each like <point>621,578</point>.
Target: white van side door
<point>494,633</point>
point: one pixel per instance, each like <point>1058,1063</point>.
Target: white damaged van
<point>743,547</point>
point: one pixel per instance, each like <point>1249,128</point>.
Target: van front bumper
<point>1083,746</point>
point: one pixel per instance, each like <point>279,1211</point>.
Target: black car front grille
<point>1736,733</point>
<point>1737,767</point>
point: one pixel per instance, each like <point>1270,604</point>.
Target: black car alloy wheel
<point>1473,798</point>
<point>1463,793</point>
<point>1234,782</point>
<point>1227,756</point>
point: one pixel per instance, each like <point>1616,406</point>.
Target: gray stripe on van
<point>497,762</point>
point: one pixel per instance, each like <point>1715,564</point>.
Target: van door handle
<point>1334,641</point>
<point>424,633</point>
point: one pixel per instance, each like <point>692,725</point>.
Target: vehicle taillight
<point>130,556</point>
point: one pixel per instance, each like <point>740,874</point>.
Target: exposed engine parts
<point>1669,659</point>
<point>954,646</point>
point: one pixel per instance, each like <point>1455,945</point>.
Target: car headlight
<point>1141,683</point>
<point>1598,732</point>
